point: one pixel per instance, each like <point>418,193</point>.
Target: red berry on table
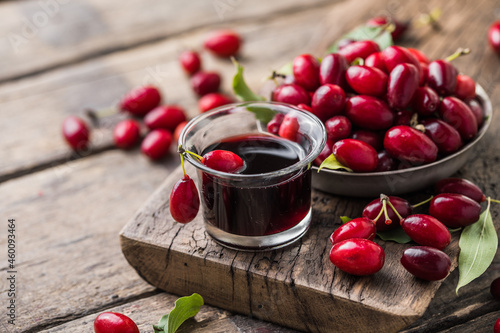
<point>356,155</point>
<point>76,132</point>
<point>402,85</point>
<point>426,230</point>
<point>156,144</point>
<point>292,94</point>
<point>204,83</point>
<point>360,227</point>
<point>306,71</point>
<point>446,138</point>
<point>494,36</point>
<point>496,328</point>
<point>359,49</point>
<point>178,130</point>
<point>289,128</point>
<point>184,200</point>
<point>126,133</point>
<point>460,186</point>
<point>212,101</point>
<point>223,43</point>
<point>465,88</point>
<point>358,256</point>
<point>454,210</point>
<point>495,288</point>
<point>190,62</point>
<point>410,145</point>
<point>223,160</point>
<point>112,322</point>
<point>426,262</point>
<point>338,128</point>
<point>369,112</point>
<point>332,69</point>
<point>373,209</point>
<point>141,100</point>
<point>367,80</point>
<point>328,101</point>
<point>456,113</point>
<point>166,117</point>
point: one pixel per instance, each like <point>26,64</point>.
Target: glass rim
<point>309,157</point>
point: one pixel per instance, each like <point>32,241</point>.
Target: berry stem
<point>493,200</point>
<point>422,203</point>
<point>182,163</point>
<point>96,115</point>
<point>460,52</point>
<point>181,151</point>
<point>395,210</point>
<point>384,199</point>
<point>431,19</point>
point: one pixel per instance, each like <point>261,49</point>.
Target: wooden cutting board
<point>296,286</point>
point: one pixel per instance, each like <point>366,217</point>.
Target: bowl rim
<point>488,113</point>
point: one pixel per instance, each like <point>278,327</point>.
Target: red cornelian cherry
<point>395,55</point>
<point>356,155</point>
<point>404,117</point>
<point>327,151</point>
<point>289,128</point>
<point>178,130</point>
<point>494,36</point>
<point>190,62</point>
<point>332,70</point>
<point>369,112</point>
<point>141,100</point>
<point>425,101</point>
<point>338,128</point>
<point>496,328</point>
<point>376,60</point>
<point>204,83</point>
<point>426,230</point>
<point>156,144</point>
<point>360,227</point>
<point>304,107</point>
<point>184,200</point>
<point>385,162</point>
<point>223,160</point>
<point>358,256</point>
<point>421,57</point>
<point>399,27</point>
<point>460,186</point>
<point>402,85</point>
<point>375,211</point>
<point>426,263</point>
<point>465,88</point>
<point>113,322</point>
<point>442,77</point>
<point>306,71</point>
<point>495,288</point>
<point>76,133</point>
<point>328,101</point>
<point>359,49</point>
<point>126,133</point>
<point>213,100</point>
<point>166,117</point>
<point>223,43</point>
<point>454,210</point>
<point>374,139</point>
<point>456,113</point>
<point>367,80</point>
<point>273,126</point>
<point>410,145</point>
<point>292,94</point>
<point>476,109</point>
<point>446,138</point>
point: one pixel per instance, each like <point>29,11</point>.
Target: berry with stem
<point>184,199</point>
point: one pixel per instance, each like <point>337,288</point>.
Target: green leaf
<point>345,219</point>
<point>185,308</point>
<point>478,245</point>
<point>396,235</point>
<point>240,87</point>
<point>262,113</point>
<point>331,163</point>
<point>379,35</point>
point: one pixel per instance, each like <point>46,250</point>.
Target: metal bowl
<point>401,181</point>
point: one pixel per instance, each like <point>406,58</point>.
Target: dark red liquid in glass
<point>263,209</point>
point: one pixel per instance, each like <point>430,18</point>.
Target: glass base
<point>260,243</point>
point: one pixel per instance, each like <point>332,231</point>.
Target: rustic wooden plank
<point>68,259</point>
<point>42,35</point>
<point>148,311</point>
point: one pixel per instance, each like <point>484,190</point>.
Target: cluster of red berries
<point>164,123</point>
<point>206,84</point>
<point>384,109</point>
<point>456,205</point>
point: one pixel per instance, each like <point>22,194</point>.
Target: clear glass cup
<point>268,209</point>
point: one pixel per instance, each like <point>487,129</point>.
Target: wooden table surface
<point>61,56</point>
